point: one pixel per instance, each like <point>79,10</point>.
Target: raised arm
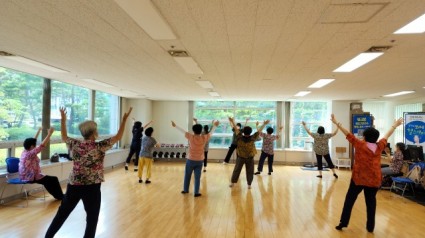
<point>173,124</point>
<point>215,125</point>
<point>120,132</point>
<point>278,132</point>
<point>393,127</point>
<point>232,123</point>
<point>246,121</point>
<point>335,132</point>
<point>147,125</point>
<point>339,125</point>
<point>47,138</point>
<point>38,132</point>
<point>195,120</point>
<point>306,129</point>
<point>64,133</point>
<point>262,126</point>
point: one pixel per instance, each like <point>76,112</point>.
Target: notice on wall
<point>414,128</point>
<point>360,123</point>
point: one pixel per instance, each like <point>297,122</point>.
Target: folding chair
<point>12,178</point>
<point>405,182</point>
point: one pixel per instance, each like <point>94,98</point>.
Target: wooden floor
<point>290,203</point>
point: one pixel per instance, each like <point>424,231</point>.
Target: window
<point>20,104</point>
<point>76,101</point>
<point>106,108</point>
<point>314,114</point>
<point>4,153</point>
<point>206,111</point>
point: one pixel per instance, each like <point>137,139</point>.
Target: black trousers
<point>134,149</point>
<point>328,160</point>
<point>52,185</point>
<point>205,158</point>
<point>90,194</point>
<point>350,199</point>
<point>230,152</point>
<point>263,157</point>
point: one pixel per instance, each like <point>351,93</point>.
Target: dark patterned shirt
<point>246,145</point>
<point>321,143</point>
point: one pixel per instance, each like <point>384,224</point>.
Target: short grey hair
<point>88,128</point>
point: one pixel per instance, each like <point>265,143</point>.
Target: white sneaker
<point>225,163</point>
<point>231,185</point>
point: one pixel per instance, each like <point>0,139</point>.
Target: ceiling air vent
<point>4,53</point>
<point>378,49</point>
<point>178,53</point>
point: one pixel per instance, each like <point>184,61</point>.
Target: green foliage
<point>20,133</point>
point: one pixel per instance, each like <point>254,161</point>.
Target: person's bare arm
<point>215,125</point>
<point>246,121</point>
<point>396,123</point>
<point>306,129</point>
<point>335,132</point>
<point>120,132</point>
<point>38,132</point>
<point>262,126</point>
<point>147,125</point>
<point>278,132</point>
<point>64,133</point>
<point>339,125</point>
<point>47,138</point>
<point>173,124</point>
<point>232,123</point>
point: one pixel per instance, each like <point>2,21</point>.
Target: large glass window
<point>106,108</point>
<point>315,114</point>
<point>20,104</point>
<point>206,111</point>
<point>76,101</point>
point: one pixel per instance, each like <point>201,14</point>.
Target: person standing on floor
<point>233,144</point>
<point>267,150</point>
<point>136,143</point>
<point>245,151</point>
<point>86,176</point>
<point>195,157</point>
<point>321,147</point>
<point>366,173</point>
<point>207,145</point>
<point>148,143</point>
<point>29,166</point>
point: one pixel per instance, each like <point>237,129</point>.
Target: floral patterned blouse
<point>29,165</point>
<point>397,162</point>
<point>246,145</point>
<point>88,157</point>
<point>268,140</point>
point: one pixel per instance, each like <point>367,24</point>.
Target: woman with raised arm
<point>195,157</point>
<point>136,143</point>
<point>366,173</point>
<point>87,173</point>
<point>321,147</point>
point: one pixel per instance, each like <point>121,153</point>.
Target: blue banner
<point>360,123</point>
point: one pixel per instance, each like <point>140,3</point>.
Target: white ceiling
<point>248,49</point>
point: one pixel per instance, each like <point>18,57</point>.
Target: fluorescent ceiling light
<point>145,14</point>
<point>35,64</point>
<point>214,94</point>
<point>358,61</point>
<point>189,65</point>
<point>205,84</point>
<point>93,81</point>
<point>398,94</point>
<point>320,83</point>
<point>415,27</point>
<point>302,93</point>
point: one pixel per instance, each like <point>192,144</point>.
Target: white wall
<point>163,113</point>
<point>142,111</point>
<point>341,110</point>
